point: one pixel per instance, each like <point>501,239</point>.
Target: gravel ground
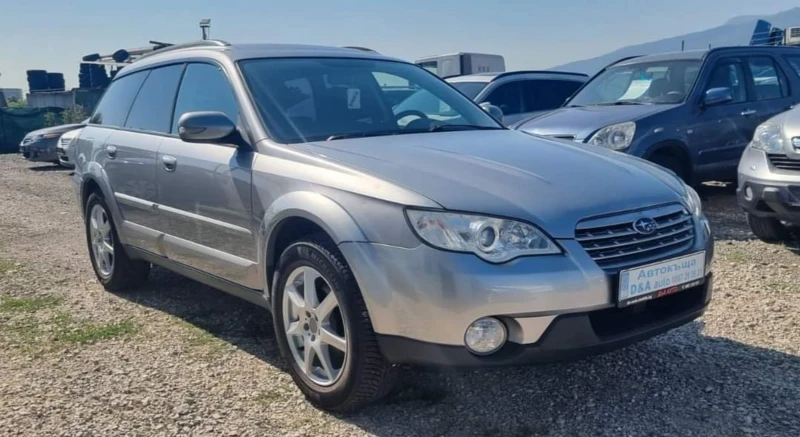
<point>179,358</point>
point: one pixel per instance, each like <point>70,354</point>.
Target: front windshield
<point>318,99</point>
<point>662,82</point>
<point>469,89</point>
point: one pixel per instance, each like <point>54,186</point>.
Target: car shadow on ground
<point>641,388</point>
<point>47,168</point>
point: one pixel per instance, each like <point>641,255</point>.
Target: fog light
<point>748,193</point>
<point>485,336</point>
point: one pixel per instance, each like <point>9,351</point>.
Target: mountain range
<point>736,31</point>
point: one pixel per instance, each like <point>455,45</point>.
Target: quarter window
<point>152,109</point>
<point>116,102</point>
<point>205,88</point>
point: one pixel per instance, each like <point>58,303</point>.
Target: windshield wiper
<point>621,102</point>
<point>457,127</point>
<point>378,133</point>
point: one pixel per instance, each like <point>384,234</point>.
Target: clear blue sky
<point>54,34</point>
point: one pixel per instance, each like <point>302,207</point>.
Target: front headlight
<point>45,136</point>
<point>494,239</point>
<point>693,201</point>
<point>769,138</point>
<point>614,137</point>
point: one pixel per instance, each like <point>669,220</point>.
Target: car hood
<point>580,122</point>
<point>550,183</point>
<point>55,129</point>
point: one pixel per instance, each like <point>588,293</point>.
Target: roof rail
<point>362,49</point>
<point>511,73</point>
<point>188,45</point>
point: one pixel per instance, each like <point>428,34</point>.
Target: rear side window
<point>541,95</point>
<point>768,81</point>
<point>507,97</point>
<point>205,88</point>
<point>116,102</point>
<point>152,109</point>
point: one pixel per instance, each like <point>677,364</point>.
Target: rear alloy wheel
<point>111,264</point>
<point>323,328</point>
<point>767,229</point>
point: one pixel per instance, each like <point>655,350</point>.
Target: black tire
<point>673,164</point>
<point>366,375</point>
<point>126,273</point>
<point>767,229</point>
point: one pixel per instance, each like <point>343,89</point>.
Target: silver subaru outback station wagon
<point>282,175</point>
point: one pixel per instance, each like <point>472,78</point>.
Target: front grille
<point>795,32</point>
<point>783,162</point>
<point>614,244</point>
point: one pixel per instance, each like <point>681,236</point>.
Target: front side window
<point>768,83</point>
<point>205,88</point>
<point>507,97</point>
<point>662,82</point>
<point>116,102</point>
<point>544,94</point>
<point>318,99</point>
<point>729,74</point>
<point>152,109</point>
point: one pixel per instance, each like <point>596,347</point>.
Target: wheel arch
<point>299,214</point>
<point>673,147</point>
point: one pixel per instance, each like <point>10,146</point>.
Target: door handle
<point>111,151</point>
<point>748,112</point>
<point>169,162</point>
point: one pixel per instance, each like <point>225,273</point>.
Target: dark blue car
<point>693,112</point>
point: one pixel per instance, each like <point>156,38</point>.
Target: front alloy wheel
<point>314,327</point>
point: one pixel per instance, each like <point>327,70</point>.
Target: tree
<point>73,115</point>
<point>50,119</point>
<point>14,102</point>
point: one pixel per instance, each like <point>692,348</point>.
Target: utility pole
<point>205,27</point>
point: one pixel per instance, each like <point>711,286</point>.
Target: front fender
<point>317,208</point>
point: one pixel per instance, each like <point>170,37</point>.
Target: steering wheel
<point>410,113</point>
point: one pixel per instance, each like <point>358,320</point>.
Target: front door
<point>721,132</point>
<point>204,190</point>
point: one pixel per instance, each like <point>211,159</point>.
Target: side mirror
<point>494,111</point>
<point>717,96</point>
<point>205,127</point>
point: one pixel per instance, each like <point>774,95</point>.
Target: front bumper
<point>765,191</point>
<point>424,296</point>
<point>40,151</point>
<point>568,337</point>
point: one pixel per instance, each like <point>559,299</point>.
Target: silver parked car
<point>62,149</point>
<point>769,177</point>
<point>280,174</point>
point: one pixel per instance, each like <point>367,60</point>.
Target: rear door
<point>720,133</point>
<point>204,190</point>
<point>128,162</point>
<point>770,88</point>
<point>146,127</point>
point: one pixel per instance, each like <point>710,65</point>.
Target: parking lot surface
<point>179,358</point>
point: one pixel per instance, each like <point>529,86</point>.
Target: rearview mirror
<point>494,111</point>
<point>205,127</point>
<point>717,96</point>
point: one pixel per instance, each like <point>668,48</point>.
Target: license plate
<point>661,279</point>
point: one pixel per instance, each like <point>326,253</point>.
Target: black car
<point>692,112</point>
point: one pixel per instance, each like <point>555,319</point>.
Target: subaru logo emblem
<point>645,226</point>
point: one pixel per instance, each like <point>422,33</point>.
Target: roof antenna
<point>205,27</point>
